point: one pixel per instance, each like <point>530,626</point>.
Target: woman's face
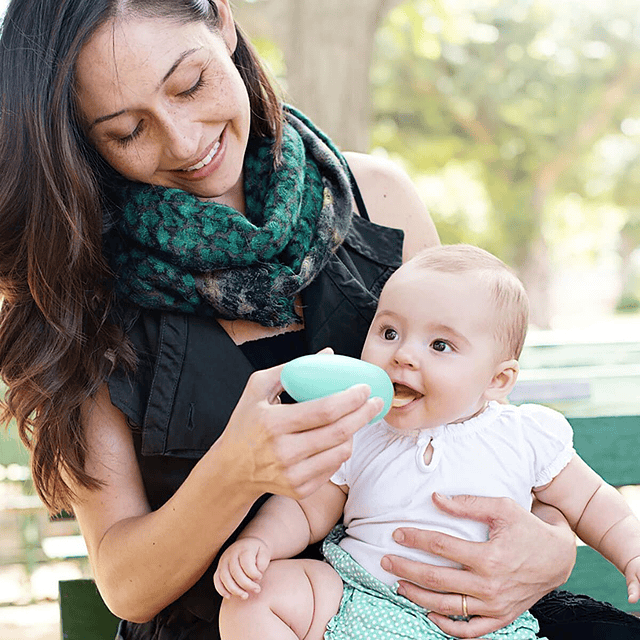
<point>164,104</point>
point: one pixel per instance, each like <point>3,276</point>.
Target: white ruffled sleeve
<point>550,437</point>
<point>340,477</point>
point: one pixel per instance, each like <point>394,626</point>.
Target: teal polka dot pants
<point>372,610</point>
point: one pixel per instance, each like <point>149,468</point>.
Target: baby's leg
<point>296,601</point>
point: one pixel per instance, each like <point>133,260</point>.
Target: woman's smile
<point>207,159</point>
<point>210,162</point>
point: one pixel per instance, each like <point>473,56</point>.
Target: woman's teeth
<point>403,395</point>
<point>207,159</point>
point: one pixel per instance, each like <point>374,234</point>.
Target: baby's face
<point>433,333</point>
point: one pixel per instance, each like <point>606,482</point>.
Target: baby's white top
<point>503,452</point>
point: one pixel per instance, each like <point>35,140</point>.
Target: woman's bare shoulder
<point>392,200</point>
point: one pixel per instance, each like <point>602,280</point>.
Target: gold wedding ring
<point>465,613</point>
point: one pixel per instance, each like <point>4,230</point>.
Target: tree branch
<point>589,130</point>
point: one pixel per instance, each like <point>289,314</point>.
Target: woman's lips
<point>207,159</point>
<point>403,395</point>
<point>211,161</point>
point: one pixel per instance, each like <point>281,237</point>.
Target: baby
<point>448,330</point>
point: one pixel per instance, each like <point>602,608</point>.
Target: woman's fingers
<point>312,457</point>
<point>523,559</point>
<point>305,416</point>
<point>439,586</point>
<point>463,552</point>
<point>477,627</point>
<point>326,435</point>
<point>265,384</point>
<point>491,511</point>
<point>309,474</point>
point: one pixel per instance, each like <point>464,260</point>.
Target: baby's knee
<point>286,596</point>
<point>323,575</point>
<point>282,581</point>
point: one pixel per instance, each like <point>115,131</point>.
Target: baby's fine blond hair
<point>507,292</point>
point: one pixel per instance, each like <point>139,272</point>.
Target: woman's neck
<point>233,198</point>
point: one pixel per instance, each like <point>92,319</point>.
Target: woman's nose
<point>182,137</point>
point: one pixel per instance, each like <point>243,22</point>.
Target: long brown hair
<point>58,341</point>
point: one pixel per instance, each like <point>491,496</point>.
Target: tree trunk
<point>536,278</point>
<point>327,48</point>
<point>536,272</point>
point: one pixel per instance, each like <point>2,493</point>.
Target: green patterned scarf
<point>171,251</point>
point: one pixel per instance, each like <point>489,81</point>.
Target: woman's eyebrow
<point>183,56</point>
<point>176,64</point>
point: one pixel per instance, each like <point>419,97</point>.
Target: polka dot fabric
<point>372,610</point>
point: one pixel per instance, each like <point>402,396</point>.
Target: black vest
<point>191,374</point>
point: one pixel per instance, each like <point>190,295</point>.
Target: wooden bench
<point>608,444</point>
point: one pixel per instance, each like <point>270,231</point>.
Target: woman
<point>149,129</point>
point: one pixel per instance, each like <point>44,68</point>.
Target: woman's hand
<point>525,557</point>
<point>293,449</point>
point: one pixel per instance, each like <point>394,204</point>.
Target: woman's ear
<point>503,381</point>
<point>227,26</point>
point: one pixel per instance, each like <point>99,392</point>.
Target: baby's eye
<point>390,334</point>
<point>440,345</point>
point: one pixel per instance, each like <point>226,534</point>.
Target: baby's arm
<point>282,528</point>
<point>600,516</point>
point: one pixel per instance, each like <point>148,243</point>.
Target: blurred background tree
<point>327,50</point>
<point>525,96</point>
<point>518,120</point>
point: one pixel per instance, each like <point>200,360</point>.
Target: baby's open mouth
<point>403,395</point>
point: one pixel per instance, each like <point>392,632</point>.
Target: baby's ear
<point>503,380</point>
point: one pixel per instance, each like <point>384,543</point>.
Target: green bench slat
<point>596,577</point>
<point>83,614</point>
<point>610,445</point>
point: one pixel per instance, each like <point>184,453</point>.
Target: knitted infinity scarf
<point>175,252</point>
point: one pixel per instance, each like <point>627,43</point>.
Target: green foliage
<point>272,56</point>
<point>540,98</point>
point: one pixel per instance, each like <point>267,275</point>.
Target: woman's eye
<point>390,334</point>
<point>191,91</point>
<point>126,140</point>
<point>440,345</point>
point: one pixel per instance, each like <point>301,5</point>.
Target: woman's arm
<point>143,560</point>
<point>525,558</point>
<point>392,201</point>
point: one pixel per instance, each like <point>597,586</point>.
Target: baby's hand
<point>632,574</point>
<point>241,568</point>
